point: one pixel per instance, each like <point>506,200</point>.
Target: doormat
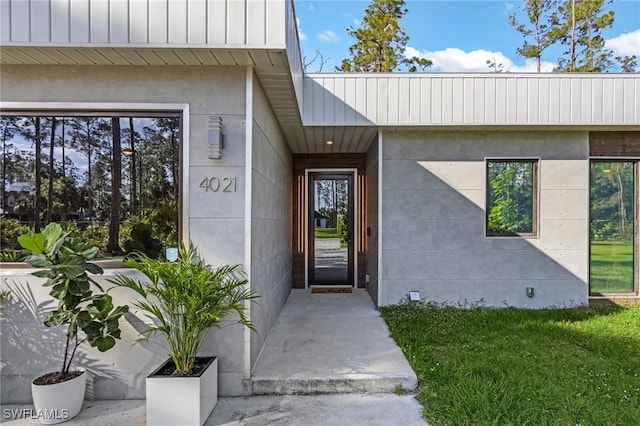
<point>331,290</point>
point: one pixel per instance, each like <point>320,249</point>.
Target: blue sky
<point>458,35</point>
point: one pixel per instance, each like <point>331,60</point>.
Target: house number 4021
<point>217,184</point>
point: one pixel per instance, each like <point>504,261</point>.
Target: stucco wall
<point>216,220</point>
<point>433,219</point>
<point>270,219</point>
<point>372,221</point>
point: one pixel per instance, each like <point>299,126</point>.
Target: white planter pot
<point>185,401</point>
<point>59,402</point>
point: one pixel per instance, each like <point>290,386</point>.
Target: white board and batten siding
<point>171,23</point>
<point>466,99</point>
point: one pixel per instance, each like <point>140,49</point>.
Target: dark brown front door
<point>330,229</point>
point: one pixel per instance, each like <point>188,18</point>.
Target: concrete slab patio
<point>328,361</point>
<point>274,410</point>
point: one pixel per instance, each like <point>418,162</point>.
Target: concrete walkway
<point>331,343</point>
<point>328,361</point>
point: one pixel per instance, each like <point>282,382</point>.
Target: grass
<point>522,367</point>
<point>611,266</point>
<point>326,233</point>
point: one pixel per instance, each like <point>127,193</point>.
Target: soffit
<point>271,66</point>
<point>346,139</point>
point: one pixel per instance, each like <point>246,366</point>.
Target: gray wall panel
<point>211,91</point>
<point>433,219</point>
<point>271,252</point>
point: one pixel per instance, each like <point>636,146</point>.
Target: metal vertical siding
<point>525,99</point>
<point>425,101</point>
<point>157,22</point>
<point>119,22</point>
<point>280,16</point>
<point>139,12</point>
<point>236,21</point>
<point>5,20</point>
<point>197,22</point>
<point>20,21</point>
<point>436,101</point>
<point>99,22</point>
<point>158,19</point>
<point>489,100</point>
<point>630,101</point>
<point>177,21</point>
<point>79,22</point>
<point>413,101</point>
<point>256,22</point>
<point>40,22</point>
<point>217,21</point>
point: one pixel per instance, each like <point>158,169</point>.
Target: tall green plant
<point>187,298</point>
<point>64,263</point>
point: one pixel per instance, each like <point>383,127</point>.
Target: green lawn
<point>523,367</point>
<point>326,233</point>
<point>611,266</point>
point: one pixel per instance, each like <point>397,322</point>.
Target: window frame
<point>123,109</point>
<point>636,227</point>
<point>535,161</point>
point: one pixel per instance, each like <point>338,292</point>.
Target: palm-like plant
<point>188,299</point>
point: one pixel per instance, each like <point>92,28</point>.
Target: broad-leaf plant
<point>66,266</point>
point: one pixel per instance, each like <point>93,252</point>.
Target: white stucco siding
<point>220,23</point>
<point>471,99</point>
<point>271,274</point>
<point>215,220</point>
<point>433,219</point>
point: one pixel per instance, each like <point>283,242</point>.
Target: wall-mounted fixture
<point>414,296</point>
<point>215,138</point>
<point>530,291</point>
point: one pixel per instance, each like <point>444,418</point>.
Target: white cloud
<point>508,6</point>
<point>328,36</point>
<point>626,44</point>
<point>302,36</point>
<point>453,59</point>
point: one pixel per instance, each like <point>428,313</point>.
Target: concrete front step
<point>328,344</point>
<point>356,383</point>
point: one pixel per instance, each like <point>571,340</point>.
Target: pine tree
<point>582,24</point>
<point>381,41</point>
<point>542,27</point>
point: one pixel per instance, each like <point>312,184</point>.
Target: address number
<point>217,184</point>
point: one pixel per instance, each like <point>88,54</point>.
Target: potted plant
<point>87,316</point>
<point>187,301</point>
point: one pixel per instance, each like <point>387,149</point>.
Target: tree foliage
<point>612,195</point>
<point>575,24</point>
<point>541,29</point>
<point>510,208</point>
<point>86,177</point>
<point>381,41</point>
<point>581,31</point>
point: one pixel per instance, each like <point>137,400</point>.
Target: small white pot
<point>59,402</point>
<point>185,401</point>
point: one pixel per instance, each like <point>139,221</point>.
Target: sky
<point>457,35</point>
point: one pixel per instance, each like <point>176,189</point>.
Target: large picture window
<point>113,181</point>
<point>613,223</point>
<point>511,197</point>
